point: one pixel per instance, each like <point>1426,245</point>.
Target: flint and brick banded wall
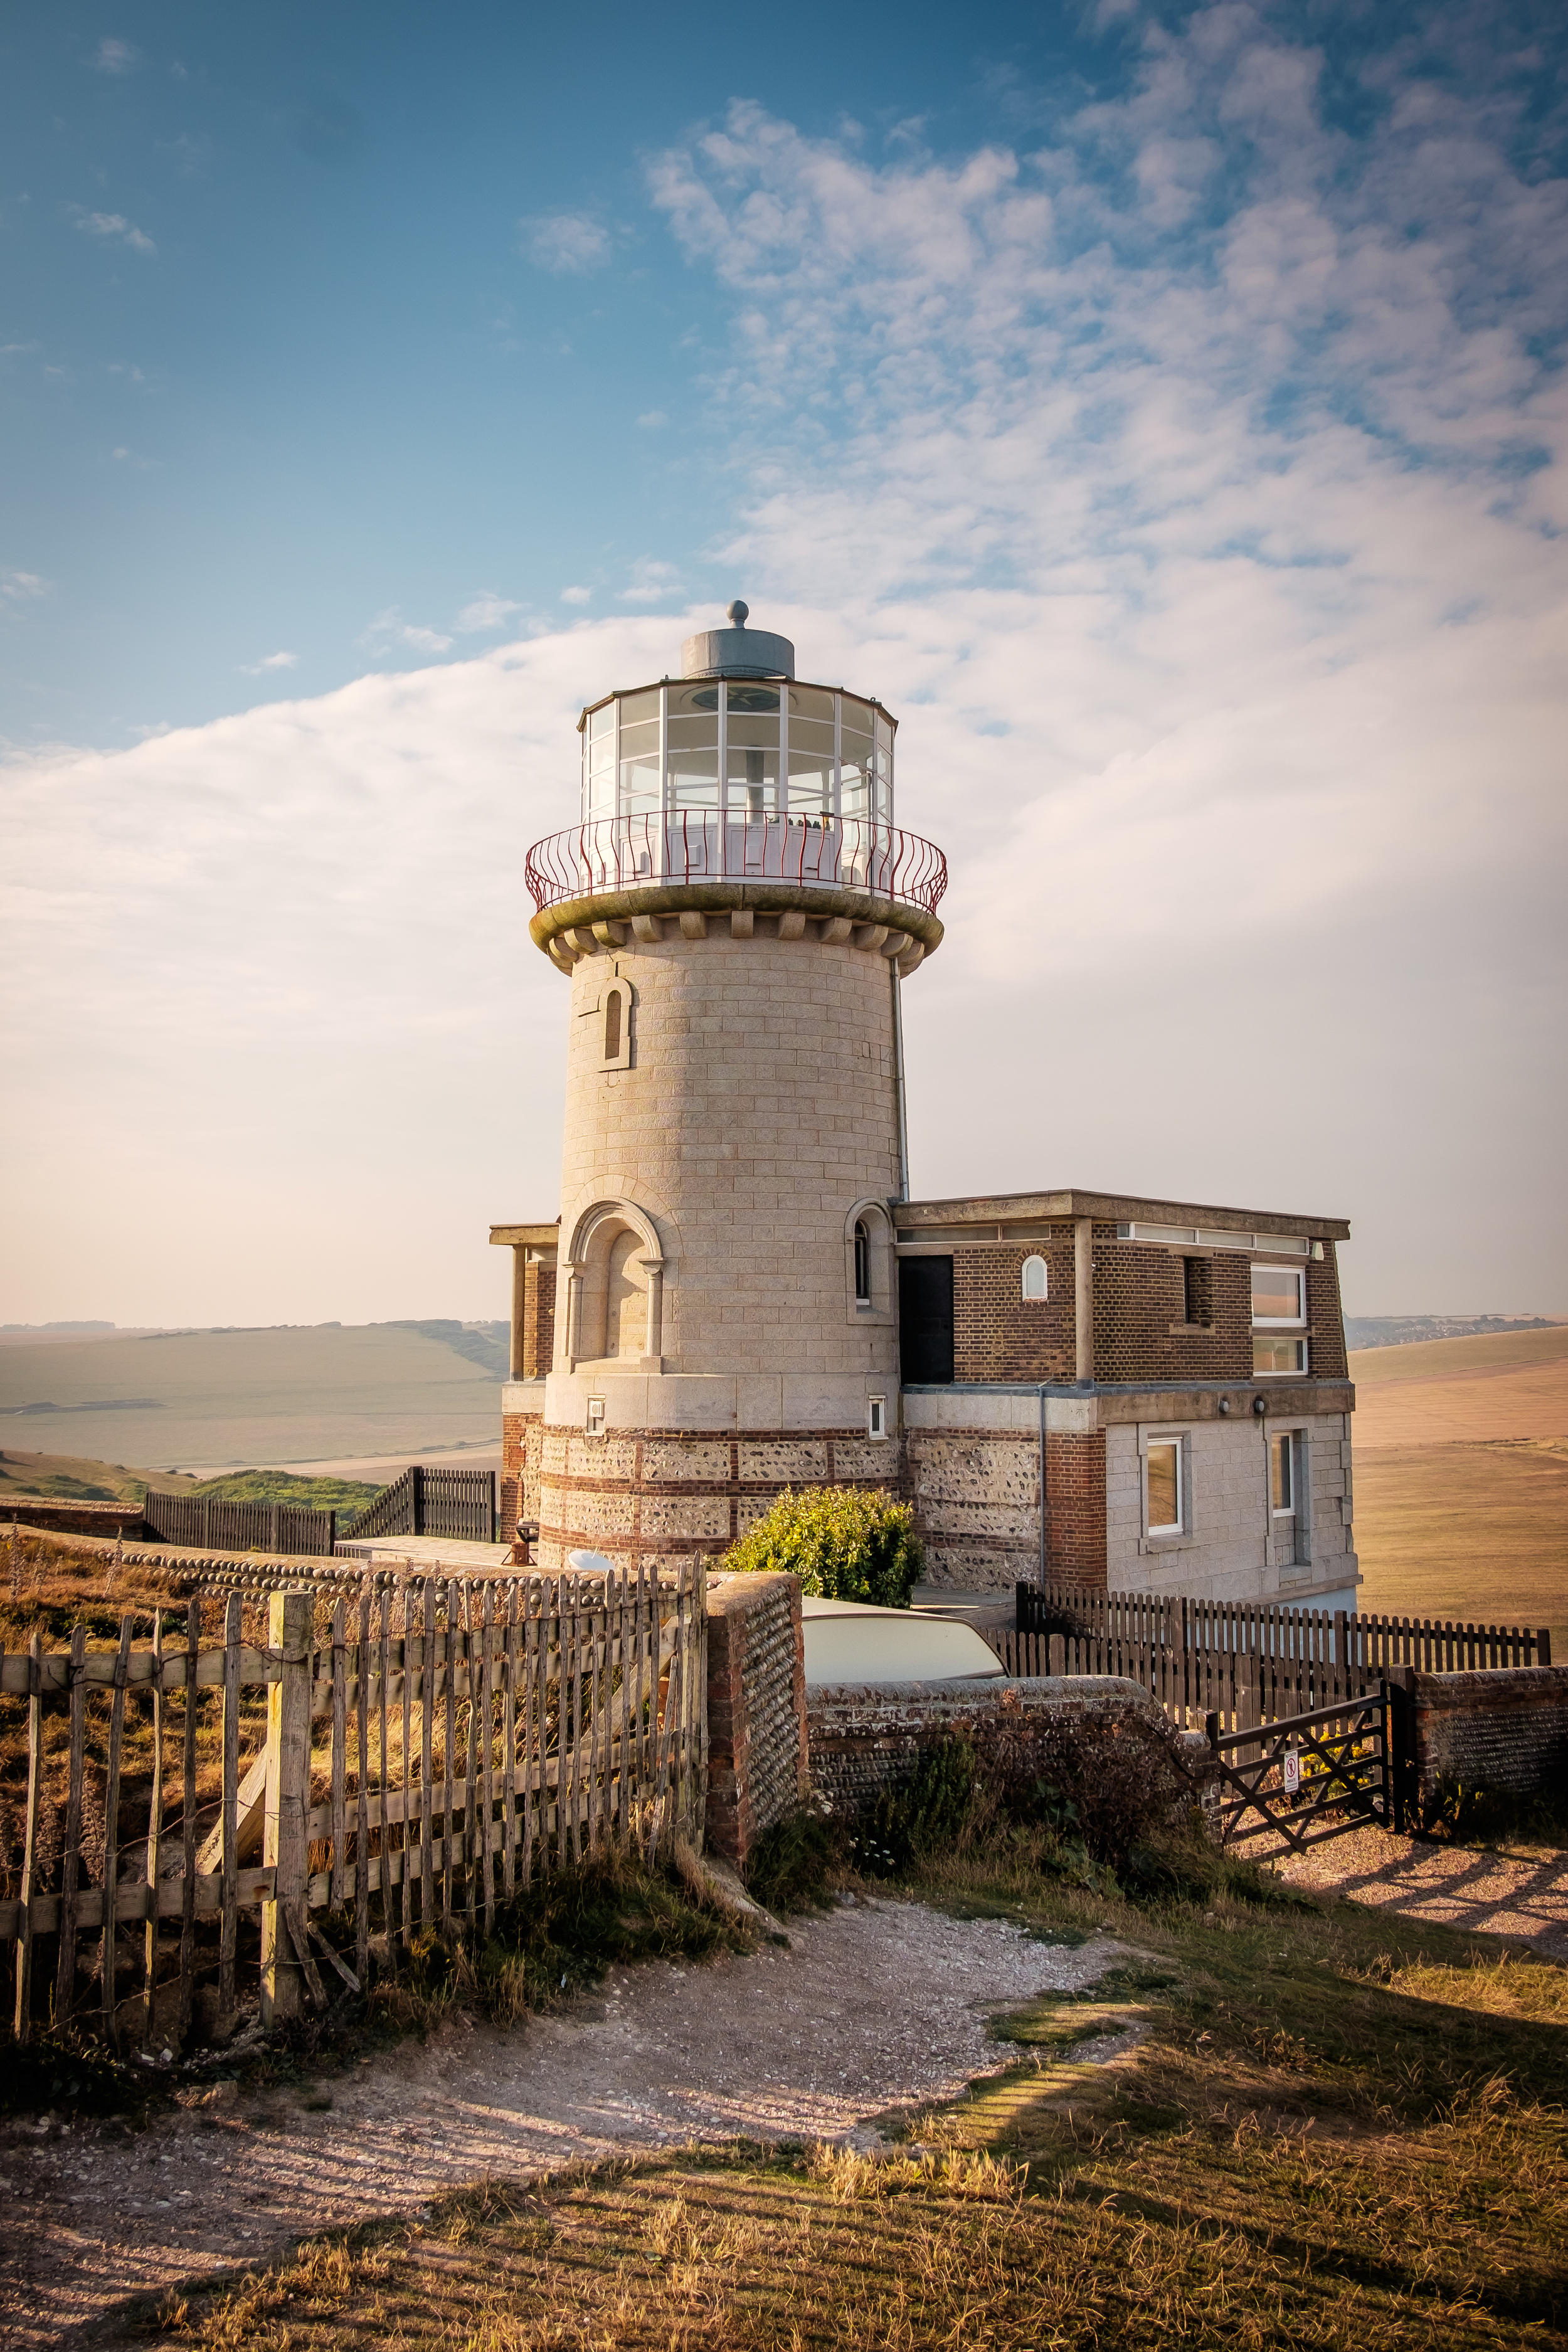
<point>756,1710</point>
<point>867,1738</point>
<point>976,1496</point>
<point>1141,1331</point>
<point>1506,1728</point>
<point>646,1495</point>
<point>521,1448</point>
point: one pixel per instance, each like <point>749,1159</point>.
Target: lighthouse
<point>734,912</point>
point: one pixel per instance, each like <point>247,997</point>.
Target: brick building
<point>739,1293</point>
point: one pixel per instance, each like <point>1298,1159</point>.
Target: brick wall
<point>1325,1318</point>
<point>756,1710</point>
<point>1075,1507</point>
<point>1140,1307</point>
<point>867,1738</point>
<point>998,1334</point>
<point>1506,1728</point>
<point>1139,1293</point>
<point>538,1319</point>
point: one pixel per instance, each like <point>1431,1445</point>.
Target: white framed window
<point>1272,1355</point>
<point>595,1423</point>
<point>1165,1487</point>
<point>876,1416</point>
<point>1036,1284</point>
<point>1278,1296</point>
<point>1282,1473</point>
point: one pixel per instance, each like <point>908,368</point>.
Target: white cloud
<point>112,57</point>
<point>116,227</point>
<point>564,241</point>
<point>389,630</point>
<point>269,662</point>
<point>22,587</point>
<point>485,610</point>
<point>652,420</point>
<point>1191,487</point>
<point>653,582</point>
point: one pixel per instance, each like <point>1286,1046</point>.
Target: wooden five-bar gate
<point>339,1774</point>
<point>1246,1662</point>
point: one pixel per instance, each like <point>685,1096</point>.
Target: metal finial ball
<point>739,613</point>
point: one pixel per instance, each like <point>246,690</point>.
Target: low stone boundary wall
<point>68,1515</point>
<point>1506,1729</point>
<point>867,1738</point>
<point>756,1710</point>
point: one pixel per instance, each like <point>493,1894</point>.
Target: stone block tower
<point>735,911</point>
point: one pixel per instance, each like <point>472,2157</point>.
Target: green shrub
<point>847,1543</point>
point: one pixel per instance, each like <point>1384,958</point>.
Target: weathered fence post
<point>289,1630</point>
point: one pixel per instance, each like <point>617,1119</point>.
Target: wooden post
<point>22,2022</point>
<point>287,1797</point>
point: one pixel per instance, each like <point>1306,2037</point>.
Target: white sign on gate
<point>1292,1770</point>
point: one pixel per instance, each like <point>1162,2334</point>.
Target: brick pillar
<point>757,1759</point>
<point>1075,1484</point>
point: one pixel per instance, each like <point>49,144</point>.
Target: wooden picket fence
<point>415,1756</point>
<point>457,1504</point>
<point>206,1522</point>
<point>1246,1662</point>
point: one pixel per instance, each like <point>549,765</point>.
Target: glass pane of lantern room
<point>694,747</point>
<point>639,764</point>
<point>884,770</point>
<point>751,735</point>
<point>857,753</point>
<point>810,766</point>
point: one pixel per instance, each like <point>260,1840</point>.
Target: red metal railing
<point>698,845</point>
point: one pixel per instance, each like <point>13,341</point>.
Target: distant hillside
<point>1407,1330</point>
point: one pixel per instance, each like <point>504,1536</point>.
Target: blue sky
<point>1161,408</point>
<point>317,314</point>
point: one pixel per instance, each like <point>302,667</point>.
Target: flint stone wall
<point>867,1738</point>
<point>1506,1729</point>
<point>756,1710</point>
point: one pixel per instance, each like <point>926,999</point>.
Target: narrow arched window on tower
<point>613,1025</point>
<point>862,1264</point>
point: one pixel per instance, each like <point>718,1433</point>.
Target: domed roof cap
<point>737,652</point>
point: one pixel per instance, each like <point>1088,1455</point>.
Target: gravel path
<point>1520,1893</point>
<point>873,2006</point>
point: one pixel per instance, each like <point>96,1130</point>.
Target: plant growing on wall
<point>849,1543</point>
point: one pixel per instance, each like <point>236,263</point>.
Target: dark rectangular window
<point>925,1318</point>
<point>1197,1290</point>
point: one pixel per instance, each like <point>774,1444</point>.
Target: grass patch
<point>1326,2126</point>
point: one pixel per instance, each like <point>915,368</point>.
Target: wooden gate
<point>1312,1776</point>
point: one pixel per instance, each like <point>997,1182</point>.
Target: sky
<point>1162,409</point>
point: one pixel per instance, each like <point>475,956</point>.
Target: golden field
<point>1461,1477</point>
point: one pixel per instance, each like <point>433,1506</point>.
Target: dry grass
<point>1478,1532</point>
<point>1455,1392</point>
<point>1328,2129</point>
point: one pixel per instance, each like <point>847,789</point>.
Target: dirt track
<point>875,2006</point>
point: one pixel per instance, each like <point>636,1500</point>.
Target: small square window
<point>876,1416</point>
<point>1164,1475</point>
<point>1277,1355</point>
<point>595,1416</point>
